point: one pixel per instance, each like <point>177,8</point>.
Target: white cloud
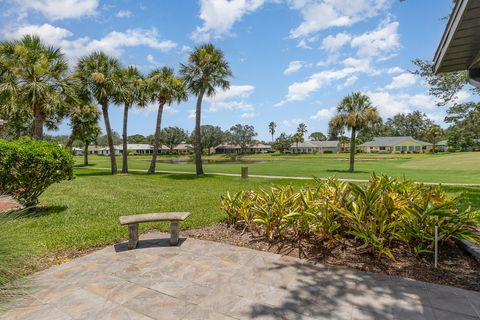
<point>377,43</point>
<point>293,66</point>
<point>59,10</point>
<point>219,16</point>
<point>231,99</point>
<point>324,114</point>
<point>113,43</point>
<point>48,33</point>
<point>333,43</point>
<point>390,104</point>
<point>124,14</point>
<point>322,14</point>
<point>394,70</point>
<point>293,122</point>
<point>248,115</point>
<point>350,82</point>
<point>402,81</point>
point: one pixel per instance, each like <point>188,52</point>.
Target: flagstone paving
<point>208,280</point>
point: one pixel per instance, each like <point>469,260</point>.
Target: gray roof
<point>459,47</point>
<point>442,143</point>
<point>391,141</point>
<point>316,144</point>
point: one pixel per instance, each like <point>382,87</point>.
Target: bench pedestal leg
<point>132,236</point>
<point>174,233</point>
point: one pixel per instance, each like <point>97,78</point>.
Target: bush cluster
<point>380,215</point>
<point>28,167</point>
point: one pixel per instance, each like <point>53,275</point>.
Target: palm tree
<point>34,82</point>
<point>302,129</point>
<point>132,91</point>
<point>297,138</point>
<point>99,78</point>
<point>163,88</point>
<point>354,112</point>
<point>271,128</point>
<point>205,71</point>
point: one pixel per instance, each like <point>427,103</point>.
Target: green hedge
<point>28,167</point>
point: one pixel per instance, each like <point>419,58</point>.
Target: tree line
<point>39,90</point>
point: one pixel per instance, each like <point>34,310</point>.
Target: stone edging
<point>471,248</point>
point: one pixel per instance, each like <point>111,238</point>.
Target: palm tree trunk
<point>272,138</point>
<point>198,145</point>
<point>71,139</point>
<point>352,151</point>
<point>85,154</point>
<point>125,141</point>
<point>38,120</point>
<point>113,160</point>
<point>156,138</point>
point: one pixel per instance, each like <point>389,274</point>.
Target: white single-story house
<point>184,148</point>
<point>135,148</point>
<point>77,151</point>
<point>231,148</point>
<point>442,145</point>
<point>396,145</point>
<point>313,147</point>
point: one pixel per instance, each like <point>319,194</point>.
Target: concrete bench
<point>133,221</point>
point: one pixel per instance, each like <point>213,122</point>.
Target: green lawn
<point>83,213</point>
<point>444,167</point>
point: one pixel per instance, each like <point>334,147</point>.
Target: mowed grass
<point>447,167</point>
<point>83,213</point>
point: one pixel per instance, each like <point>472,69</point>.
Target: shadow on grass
<point>467,196</point>
<point>186,176</point>
<point>41,211</point>
<point>346,171</point>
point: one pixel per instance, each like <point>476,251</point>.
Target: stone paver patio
<point>208,280</point>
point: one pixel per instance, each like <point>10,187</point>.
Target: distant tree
<point>317,136</point>
<point>103,139</point>
<point>133,90</point>
<point>99,78</point>
<point>411,124</point>
<point>271,128</point>
<point>433,134</point>
<point>173,136</point>
<point>297,138</point>
<point>205,71</point>
<point>354,112</point>
<point>211,136</point>
<point>302,129</point>
<point>137,138</point>
<point>464,132</point>
<point>242,135</point>
<point>377,129</point>
<point>334,134</point>
<point>164,88</point>
<point>84,123</point>
<point>283,142</point>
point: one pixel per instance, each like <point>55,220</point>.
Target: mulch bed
<point>456,268</point>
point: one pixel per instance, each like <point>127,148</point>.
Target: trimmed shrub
<point>28,167</point>
<point>380,215</point>
<point>328,151</point>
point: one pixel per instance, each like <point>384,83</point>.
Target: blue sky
<point>292,60</point>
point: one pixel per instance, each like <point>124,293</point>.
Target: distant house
<point>231,148</point>
<point>184,148</point>
<point>134,148</point>
<point>77,151</point>
<point>313,147</point>
<point>396,145</point>
<point>442,145</point>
